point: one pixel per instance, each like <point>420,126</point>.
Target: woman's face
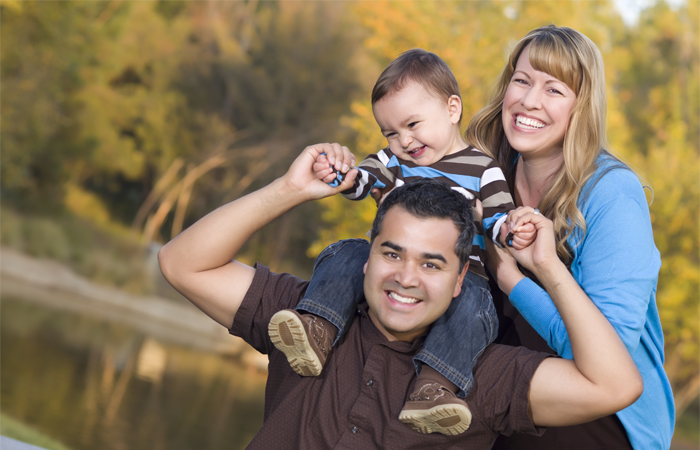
<point>536,110</point>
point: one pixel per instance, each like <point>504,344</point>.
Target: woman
<point>545,125</point>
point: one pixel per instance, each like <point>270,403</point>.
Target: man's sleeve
<point>501,384</point>
<point>374,173</point>
<point>268,293</point>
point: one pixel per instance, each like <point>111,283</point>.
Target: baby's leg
<point>307,334</point>
<point>444,368</point>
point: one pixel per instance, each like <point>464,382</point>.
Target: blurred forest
<point>124,122</point>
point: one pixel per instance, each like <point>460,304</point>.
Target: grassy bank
<point>15,429</point>
<point>108,255</point>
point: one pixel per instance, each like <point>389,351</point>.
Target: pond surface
<point>94,384</point>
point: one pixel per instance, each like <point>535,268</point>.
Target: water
<point>95,384</point>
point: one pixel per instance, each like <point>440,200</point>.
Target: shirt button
<point>354,429</point>
<point>370,383</point>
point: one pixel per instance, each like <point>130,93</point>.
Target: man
<point>412,272</point>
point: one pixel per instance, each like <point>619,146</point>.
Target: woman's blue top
<point>617,265</point>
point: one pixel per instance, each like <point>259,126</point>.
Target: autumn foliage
<point>150,114</point>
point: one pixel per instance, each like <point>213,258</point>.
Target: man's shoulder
<point>499,397</point>
<point>269,292</point>
<point>497,356</point>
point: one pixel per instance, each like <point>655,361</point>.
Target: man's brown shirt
<point>355,402</point>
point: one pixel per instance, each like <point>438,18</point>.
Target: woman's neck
<point>533,177</point>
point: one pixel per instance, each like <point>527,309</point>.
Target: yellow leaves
<point>86,205</point>
<point>13,5</point>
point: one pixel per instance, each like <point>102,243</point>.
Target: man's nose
<point>407,276</point>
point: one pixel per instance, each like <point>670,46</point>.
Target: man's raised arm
<point>199,261</point>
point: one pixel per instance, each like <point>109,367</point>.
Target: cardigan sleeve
<point>616,263</point>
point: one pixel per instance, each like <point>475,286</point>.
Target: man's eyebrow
<point>424,255</point>
<point>437,256</point>
<point>392,246</point>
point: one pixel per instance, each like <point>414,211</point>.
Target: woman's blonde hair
<point>574,59</point>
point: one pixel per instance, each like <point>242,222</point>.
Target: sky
<point>629,9</point>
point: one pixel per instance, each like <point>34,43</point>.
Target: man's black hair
<point>430,198</point>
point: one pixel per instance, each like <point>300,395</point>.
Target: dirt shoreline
<point>52,284</point>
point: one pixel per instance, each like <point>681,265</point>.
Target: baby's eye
<point>412,124</point>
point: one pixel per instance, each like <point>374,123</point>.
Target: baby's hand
<point>524,236</point>
<point>522,232</point>
<point>334,164</point>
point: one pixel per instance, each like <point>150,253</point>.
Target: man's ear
<point>454,106</point>
<point>364,268</point>
<point>460,280</point>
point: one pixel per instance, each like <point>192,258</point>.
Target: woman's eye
<point>519,81</point>
<point>554,91</point>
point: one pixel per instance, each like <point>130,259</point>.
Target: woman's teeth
<point>528,123</point>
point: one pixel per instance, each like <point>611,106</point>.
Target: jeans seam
<point>464,384</point>
<point>334,248</point>
<point>306,303</point>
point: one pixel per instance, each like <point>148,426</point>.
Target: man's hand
<point>198,262</point>
<point>335,159</point>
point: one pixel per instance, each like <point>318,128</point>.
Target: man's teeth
<point>528,123</point>
<point>402,299</point>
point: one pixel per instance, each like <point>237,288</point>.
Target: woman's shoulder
<point>612,180</point>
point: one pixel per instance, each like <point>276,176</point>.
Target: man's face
<point>412,274</point>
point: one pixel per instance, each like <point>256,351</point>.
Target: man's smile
<point>402,299</point>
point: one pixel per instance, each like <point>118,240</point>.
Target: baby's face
<point>420,126</point>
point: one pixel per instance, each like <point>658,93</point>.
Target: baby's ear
<point>454,106</point>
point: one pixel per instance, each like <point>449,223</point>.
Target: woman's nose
<point>532,99</point>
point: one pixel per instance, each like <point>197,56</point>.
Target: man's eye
<point>431,266</point>
<point>391,255</point>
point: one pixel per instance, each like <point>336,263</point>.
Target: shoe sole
<point>445,419</point>
<point>288,335</point>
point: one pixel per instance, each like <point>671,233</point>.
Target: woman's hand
<point>541,255</point>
